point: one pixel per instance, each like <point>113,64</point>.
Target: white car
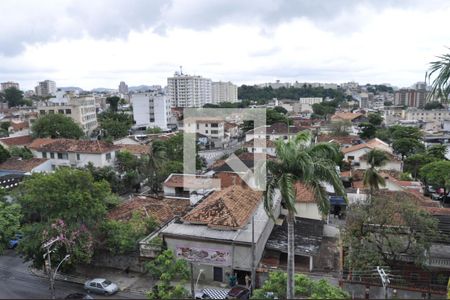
<point>101,286</point>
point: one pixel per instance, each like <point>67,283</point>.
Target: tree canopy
<point>275,288</point>
<point>56,126</point>
<point>294,93</point>
<point>433,105</point>
<point>379,232</point>
<point>67,202</point>
<point>115,125</point>
<point>14,97</point>
<point>10,216</point>
<point>437,173</point>
<point>4,154</point>
<point>113,102</point>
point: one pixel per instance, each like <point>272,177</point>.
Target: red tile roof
<point>135,149</point>
<point>68,145</point>
<point>304,193</point>
<point>188,181</point>
<point>348,139</point>
<point>228,209</point>
<point>162,210</point>
<point>17,126</point>
<point>23,140</point>
<point>266,143</point>
<point>345,116</point>
<point>23,165</point>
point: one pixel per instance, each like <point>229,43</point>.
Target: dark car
<point>238,292</point>
<point>78,296</point>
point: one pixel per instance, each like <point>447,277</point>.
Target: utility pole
<point>253,282</point>
<point>384,280</point>
<point>52,275</point>
<point>192,280</point>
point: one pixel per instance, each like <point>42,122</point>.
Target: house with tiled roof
<point>260,146</point>
<point>137,150</point>
<point>16,141</point>
<point>348,116</point>
<point>74,153</point>
<point>217,233</point>
<point>354,153</point>
<point>273,132</point>
<point>189,186</point>
<point>26,166</point>
<point>342,141</point>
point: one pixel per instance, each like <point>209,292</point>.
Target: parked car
<point>12,244</point>
<point>238,292</point>
<point>79,296</point>
<point>101,286</point>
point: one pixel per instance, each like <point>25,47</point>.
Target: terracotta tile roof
<point>228,209</point>
<point>358,184</point>
<point>356,147</point>
<point>390,156</point>
<point>266,143</point>
<point>17,126</point>
<point>188,181</point>
<point>68,145</point>
<point>135,149</point>
<point>162,210</point>
<point>277,128</point>
<point>229,125</point>
<point>304,193</point>
<point>23,140</point>
<point>349,139</point>
<point>346,173</point>
<point>23,165</point>
<point>345,116</point>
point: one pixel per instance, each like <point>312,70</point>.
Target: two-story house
<point>74,153</point>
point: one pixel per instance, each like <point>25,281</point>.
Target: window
<point>108,156</point>
<point>65,156</point>
<point>42,112</point>
<point>78,156</point>
<point>214,125</point>
<point>206,131</point>
<point>60,155</point>
<point>214,131</point>
<point>61,111</point>
<point>68,111</point>
<point>44,154</point>
<point>51,111</point>
<point>52,155</point>
<point>198,127</point>
<point>350,157</point>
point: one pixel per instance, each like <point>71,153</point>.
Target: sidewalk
<point>132,282</point>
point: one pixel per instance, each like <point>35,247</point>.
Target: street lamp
<point>51,275</point>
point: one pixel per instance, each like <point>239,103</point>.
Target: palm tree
<point>311,165</point>
<point>440,87</point>
<point>155,162</point>
<point>372,179</point>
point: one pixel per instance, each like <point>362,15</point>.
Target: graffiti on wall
<point>212,256</point>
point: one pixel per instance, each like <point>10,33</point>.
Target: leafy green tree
<point>107,174</point>
<point>10,216</point>
<point>340,127</point>
<point>280,109</point>
<point>388,103</point>
<point>113,102</point>
<point>368,130</point>
<point>13,96</point>
<point>323,110</point>
<point>21,152</point>
<point>4,154</point>
<point>399,132</point>
<point>67,195</point>
<point>310,165</point>
<point>384,230</point>
<point>433,105</point>
<point>115,125</point>
<point>273,116</point>
<point>153,130</point>
<point>275,288</point>
<point>384,134</point>
<point>376,158</point>
<point>437,151</point>
<point>407,146</point>
<point>167,268</point>
<point>56,126</point>
<point>440,87</point>
<point>123,236</point>
<point>5,125</point>
<point>375,119</point>
<point>437,173</point>
<point>415,162</point>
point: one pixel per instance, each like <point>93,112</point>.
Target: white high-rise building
<point>224,92</point>
<point>151,109</point>
<point>189,91</point>
<point>46,88</point>
<point>123,88</point>
<point>9,84</point>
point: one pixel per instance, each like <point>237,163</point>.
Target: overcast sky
<point>97,43</point>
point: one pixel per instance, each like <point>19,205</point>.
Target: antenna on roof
<point>181,70</point>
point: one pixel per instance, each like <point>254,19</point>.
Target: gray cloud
<point>30,22</point>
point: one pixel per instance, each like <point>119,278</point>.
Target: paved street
<point>17,282</point>
<point>212,155</point>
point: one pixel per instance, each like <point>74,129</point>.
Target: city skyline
<point>142,42</point>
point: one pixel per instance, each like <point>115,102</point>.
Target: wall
<point>308,211</point>
<point>44,167</point>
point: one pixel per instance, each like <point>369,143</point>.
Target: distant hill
<point>103,90</point>
<point>143,88</point>
<point>70,89</point>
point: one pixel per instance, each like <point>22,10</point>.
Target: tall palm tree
<point>372,178</point>
<point>440,87</point>
<point>156,159</point>
<point>311,165</point>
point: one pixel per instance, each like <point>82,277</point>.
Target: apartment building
<point>410,97</point>
<point>434,115</point>
<point>224,92</point>
<point>189,91</point>
<point>9,84</point>
<point>123,88</point>
<point>212,128</point>
<point>81,109</point>
<point>45,88</point>
<point>151,109</point>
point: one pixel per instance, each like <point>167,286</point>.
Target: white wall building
<point>9,84</point>
<point>151,109</point>
<point>46,88</point>
<point>224,92</point>
<point>123,88</point>
<point>189,91</point>
<point>81,109</point>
